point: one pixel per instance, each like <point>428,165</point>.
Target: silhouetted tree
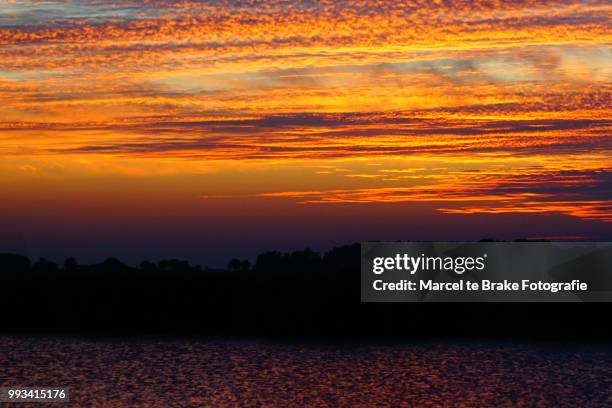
<point>302,260</point>
<point>238,265</point>
<point>42,266</point>
<point>14,263</point>
<point>147,266</point>
<point>269,261</point>
<point>71,265</point>
<point>298,293</point>
<point>173,265</point>
<point>344,257</point>
<point>113,264</point>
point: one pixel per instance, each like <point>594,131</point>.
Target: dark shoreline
<point>295,295</point>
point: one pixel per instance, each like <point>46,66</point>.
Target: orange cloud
<point>521,84</point>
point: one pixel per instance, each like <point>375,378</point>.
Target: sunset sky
<point>211,129</point>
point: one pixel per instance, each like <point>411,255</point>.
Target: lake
<point>219,373</point>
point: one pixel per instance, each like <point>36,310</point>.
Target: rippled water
<point>221,373</point>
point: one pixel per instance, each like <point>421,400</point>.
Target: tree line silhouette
<point>302,293</point>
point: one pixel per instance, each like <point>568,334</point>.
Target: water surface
<point>207,372</point>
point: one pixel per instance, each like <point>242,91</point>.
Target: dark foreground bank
<point>296,294</point>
